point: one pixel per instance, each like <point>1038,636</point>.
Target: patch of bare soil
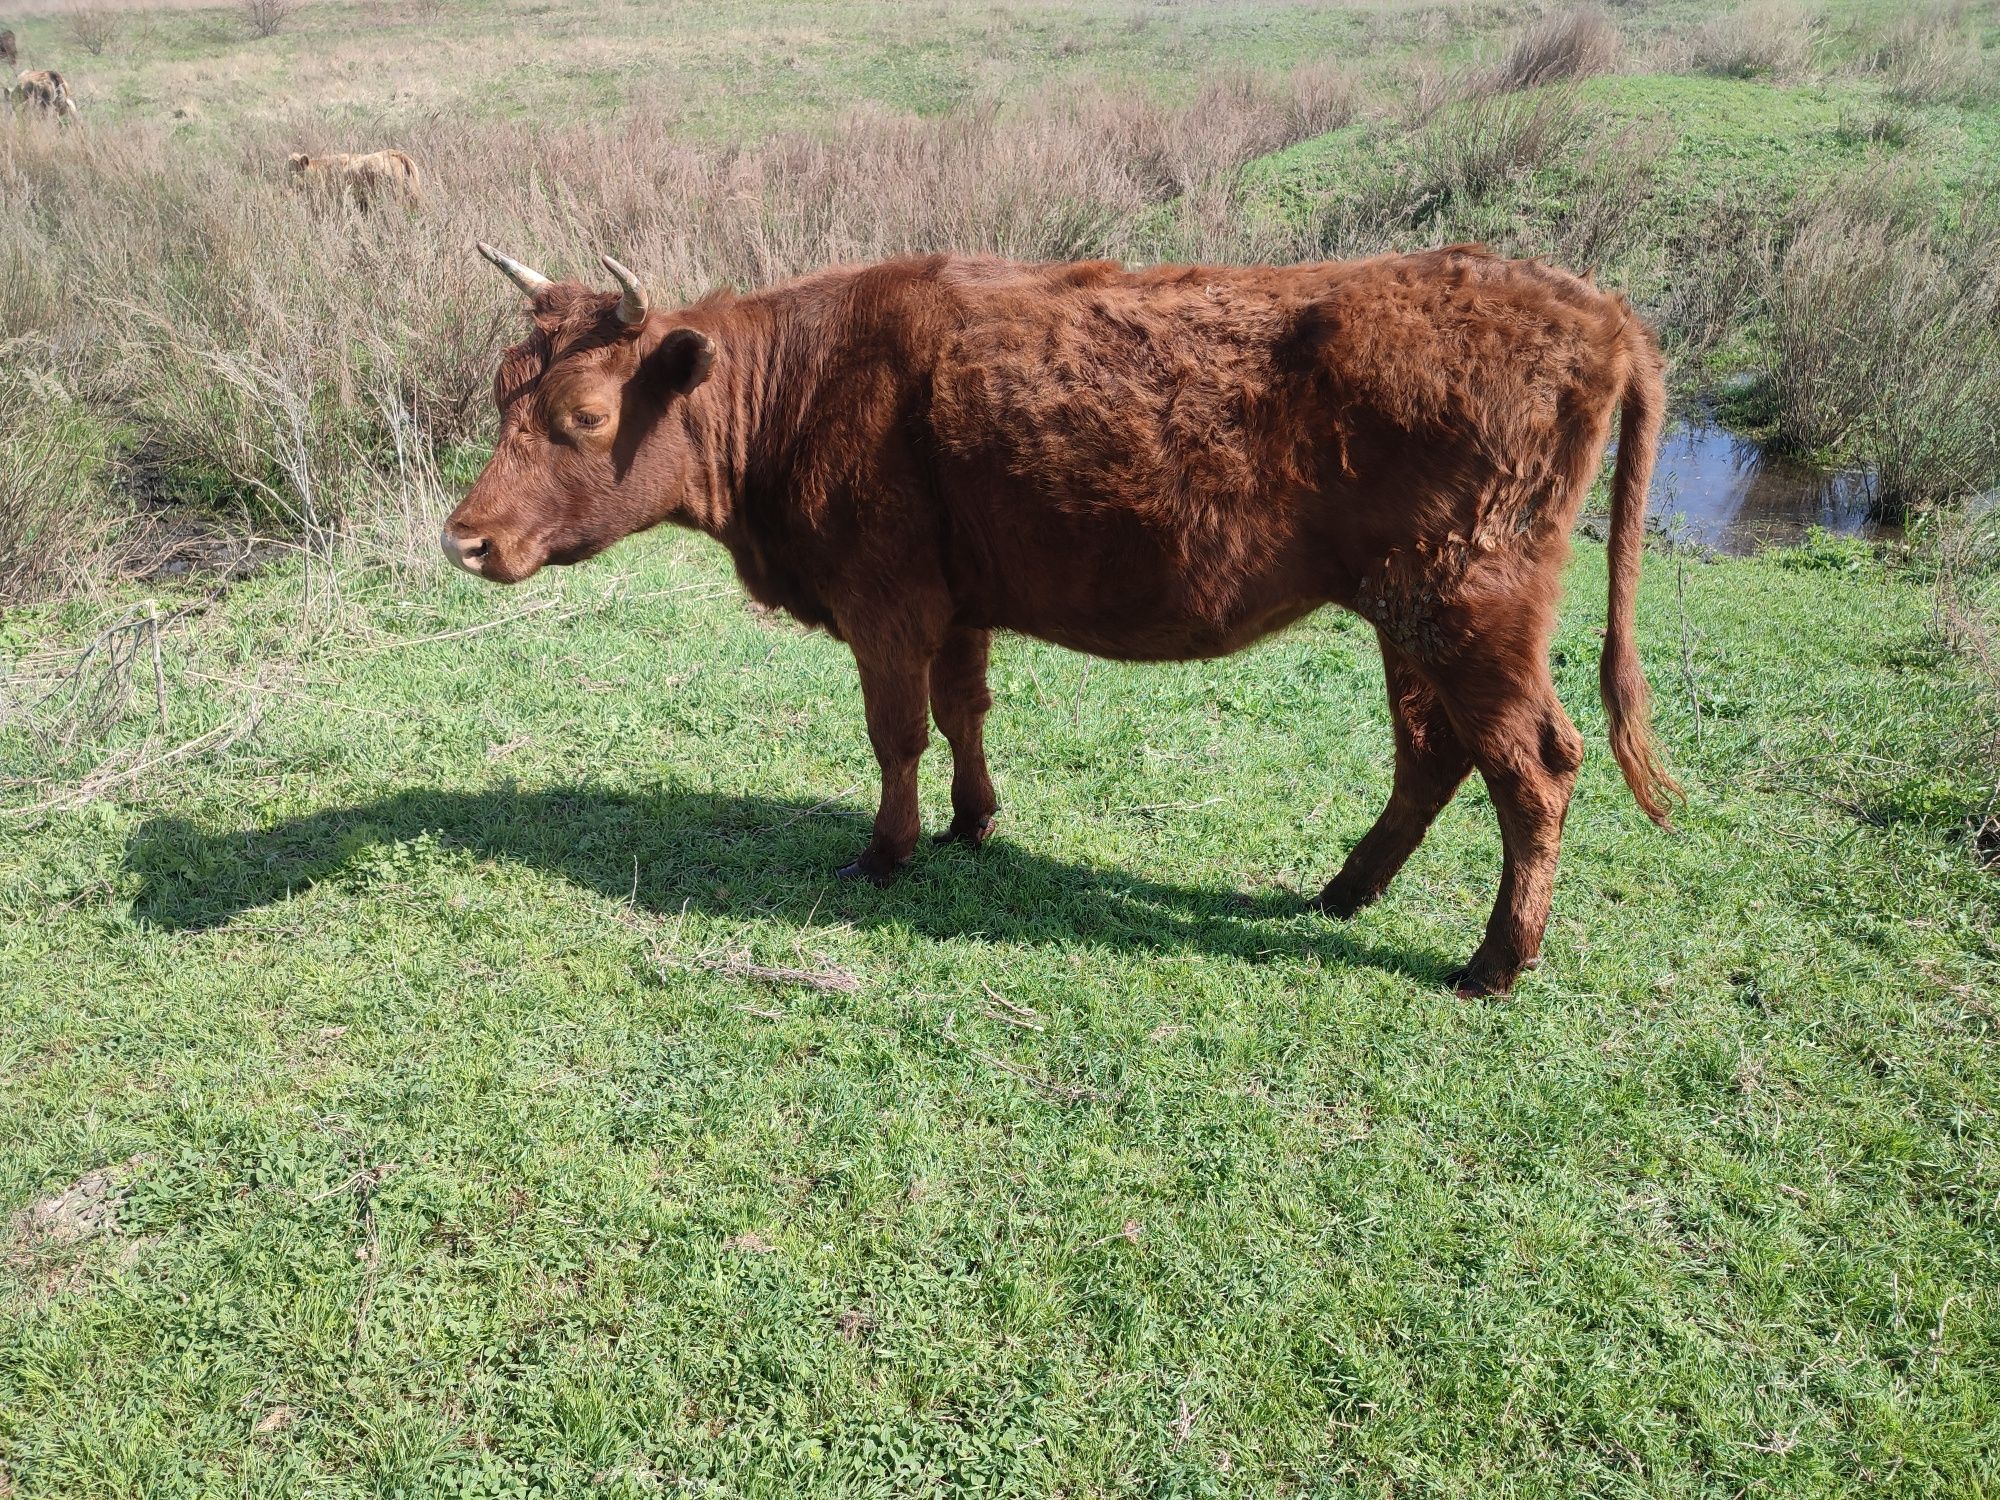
<point>85,1209</point>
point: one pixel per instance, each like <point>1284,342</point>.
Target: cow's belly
<point>1111,591</point>
<point>1163,636</point>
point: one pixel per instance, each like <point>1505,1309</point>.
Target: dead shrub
<point>266,17</point>
<point>1764,39</point>
<point>94,28</point>
<point>1607,181</point>
<point>1317,98</point>
<point>1718,277</point>
<point>1520,172</point>
<point>1575,42</point>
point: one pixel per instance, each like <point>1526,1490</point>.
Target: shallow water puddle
<point>1731,496</point>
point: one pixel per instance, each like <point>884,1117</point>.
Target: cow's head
<point>583,458</point>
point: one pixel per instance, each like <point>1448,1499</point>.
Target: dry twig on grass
<point>110,774</point>
<point>835,980</point>
<point>1007,1011</point>
<point>737,964</point>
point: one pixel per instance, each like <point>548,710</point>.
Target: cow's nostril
<point>469,552</point>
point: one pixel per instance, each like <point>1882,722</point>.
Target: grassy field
<point>464,1151</point>
<point>436,1059</point>
<point>731,69</point>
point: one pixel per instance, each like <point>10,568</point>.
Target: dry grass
<point>1885,343</point>
<point>1524,172</point>
<point>1888,124</point>
<point>300,369</point>
<point>1932,57</point>
<point>1469,151</point>
<point>1963,549</point>
<point>1763,39</point>
<point>1575,42</point>
<point>55,521</point>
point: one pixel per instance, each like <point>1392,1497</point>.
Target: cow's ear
<point>682,361</point>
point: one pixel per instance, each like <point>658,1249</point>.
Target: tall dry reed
<point>296,366</point>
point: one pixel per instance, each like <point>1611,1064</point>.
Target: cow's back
<point>1184,441</point>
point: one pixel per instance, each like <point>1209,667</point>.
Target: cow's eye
<point>586,421</point>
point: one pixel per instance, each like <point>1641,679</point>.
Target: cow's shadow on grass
<point>668,850</point>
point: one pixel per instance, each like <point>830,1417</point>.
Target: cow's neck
<point>740,427</point>
<point>724,420</point>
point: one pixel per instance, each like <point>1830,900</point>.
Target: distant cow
<point>363,179</point>
<point>1148,465</point>
<point>10,54</point>
<point>44,89</point>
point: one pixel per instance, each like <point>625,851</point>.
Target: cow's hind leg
<point>1430,765</point>
<point>1528,752</point>
<point>959,701</point>
<point>894,691</point>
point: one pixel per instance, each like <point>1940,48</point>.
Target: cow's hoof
<point>972,832</point>
<point>1340,901</point>
<point>1480,979</point>
<point>864,869</point>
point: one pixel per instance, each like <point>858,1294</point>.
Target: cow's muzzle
<point>469,552</point>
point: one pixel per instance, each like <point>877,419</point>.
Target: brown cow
<point>362,178</point>
<point>1148,465</point>
<point>47,90</point>
<point>9,53</point>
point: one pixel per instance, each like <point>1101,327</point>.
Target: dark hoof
<point>861,869</point>
<point>1477,981</point>
<point>1467,986</point>
<point>1341,904</point>
<point>970,832</point>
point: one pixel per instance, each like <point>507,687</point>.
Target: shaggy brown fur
<point>362,179</point>
<point>46,90</point>
<point>1148,465</point>
<point>9,53</point>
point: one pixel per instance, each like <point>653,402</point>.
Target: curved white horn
<point>632,306</point>
<point>527,278</point>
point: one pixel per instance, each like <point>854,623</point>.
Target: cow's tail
<point>413,179</point>
<point>1627,697</point>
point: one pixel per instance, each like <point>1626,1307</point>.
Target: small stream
<point>1731,496</point>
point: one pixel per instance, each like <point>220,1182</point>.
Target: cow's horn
<point>527,278</point>
<point>632,306</point>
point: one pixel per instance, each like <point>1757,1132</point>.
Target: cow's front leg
<point>959,701</point>
<point>894,693</point>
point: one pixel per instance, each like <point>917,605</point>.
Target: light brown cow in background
<point>47,90</point>
<point>363,178</point>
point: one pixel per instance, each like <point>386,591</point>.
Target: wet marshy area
<point>1723,491</point>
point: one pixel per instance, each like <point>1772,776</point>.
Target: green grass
<point>1117,1174</point>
